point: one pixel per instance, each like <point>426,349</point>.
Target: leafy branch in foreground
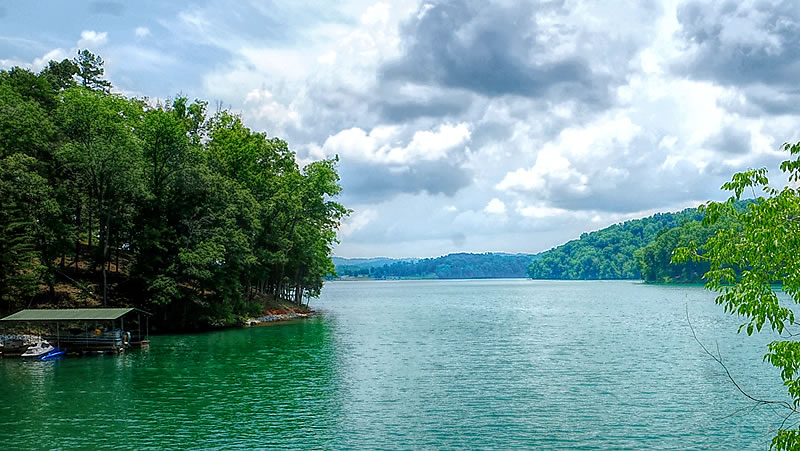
<point>747,259</point>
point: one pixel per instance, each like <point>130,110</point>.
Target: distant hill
<point>451,266</point>
<point>340,262</point>
<point>636,249</point>
<point>607,253</point>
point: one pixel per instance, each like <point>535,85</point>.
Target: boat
<point>55,354</point>
<point>42,351</point>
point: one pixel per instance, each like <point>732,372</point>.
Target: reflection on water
<point>423,364</point>
<point>256,386</point>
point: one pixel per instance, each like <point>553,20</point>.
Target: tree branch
<point>718,359</point>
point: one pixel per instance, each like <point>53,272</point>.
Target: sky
<point>465,125</point>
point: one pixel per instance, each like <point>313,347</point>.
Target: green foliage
<point>210,217</point>
<point>747,260</point>
<point>25,126</point>
<point>451,266</point>
<point>656,258</point>
<point>89,68</point>
<point>607,253</point>
<point>60,74</point>
<point>25,199</point>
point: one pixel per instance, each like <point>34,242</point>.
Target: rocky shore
<point>271,318</point>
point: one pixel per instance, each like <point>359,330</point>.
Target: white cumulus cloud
<point>384,144</point>
<point>91,38</point>
<point>495,206</point>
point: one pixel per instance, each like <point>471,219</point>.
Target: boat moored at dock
<point>42,351</point>
<point>76,331</point>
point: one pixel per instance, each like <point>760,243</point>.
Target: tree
<point>212,220</point>
<point>61,74</point>
<point>746,260</point>
<point>607,253</point>
<point>90,71</point>
<point>103,154</point>
<point>25,200</point>
<point>166,154</point>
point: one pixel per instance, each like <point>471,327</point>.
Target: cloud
<point>458,44</point>
<point>370,183</point>
<point>512,126</point>
<point>498,48</point>
<point>554,169</point>
<point>380,145</point>
<point>754,45</point>
<point>53,55</point>
<point>357,221</point>
<point>495,207</point>
<point>390,160</point>
<point>107,8</point>
<point>376,14</point>
<point>731,139</point>
<point>539,211</point>
<point>91,39</point>
<point>409,102</point>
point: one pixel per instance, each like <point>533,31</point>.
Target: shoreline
<point>272,318</point>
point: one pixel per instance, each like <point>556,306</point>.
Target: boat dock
<point>84,330</point>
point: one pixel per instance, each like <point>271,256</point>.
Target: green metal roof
<point>107,314</point>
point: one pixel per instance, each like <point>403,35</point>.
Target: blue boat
<point>56,353</point>
<point>42,351</point>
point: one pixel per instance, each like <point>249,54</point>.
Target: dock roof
<point>78,314</point>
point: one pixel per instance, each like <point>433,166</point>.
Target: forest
<point>451,266</point>
<point>111,200</point>
<point>607,253</point>
<point>656,258</point>
<point>635,249</point>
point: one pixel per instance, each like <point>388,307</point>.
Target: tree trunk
<point>298,288</point>
<point>104,239</point>
<point>78,234</point>
<point>90,229</point>
<point>105,287</point>
<point>298,294</point>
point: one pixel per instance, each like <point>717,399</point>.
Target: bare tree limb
<point>718,359</point>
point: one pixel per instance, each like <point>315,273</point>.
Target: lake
<point>419,364</point>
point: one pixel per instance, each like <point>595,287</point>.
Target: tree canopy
<point>607,253</point>
<point>451,266</point>
<point>110,199</point>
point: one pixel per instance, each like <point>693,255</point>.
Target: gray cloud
<point>370,183</point>
<point>109,8</point>
<point>731,140</point>
<point>399,108</point>
<point>490,132</point>
<point>752,45</point>
<point>492,50</point>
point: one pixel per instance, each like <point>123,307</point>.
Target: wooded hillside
<point>607,253</point>
<point>451,266</point>
<point>107,200</point>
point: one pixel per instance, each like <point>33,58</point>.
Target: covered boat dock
<point>89,329</point>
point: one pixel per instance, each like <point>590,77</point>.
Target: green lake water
<point>419,365</point>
